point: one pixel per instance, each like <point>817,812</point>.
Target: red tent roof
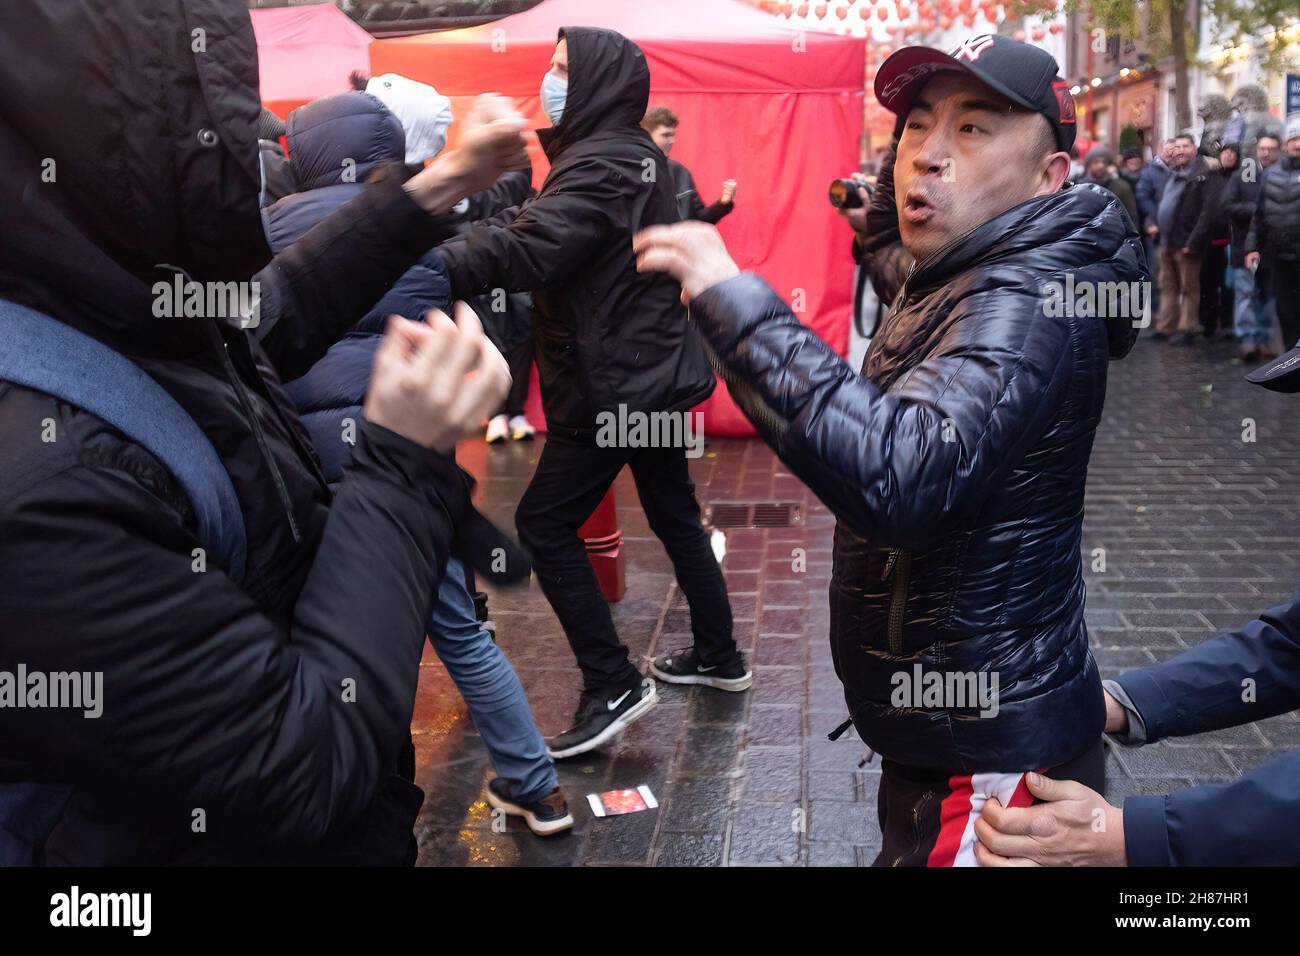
<point>692,45</point>
<point>306,52</point>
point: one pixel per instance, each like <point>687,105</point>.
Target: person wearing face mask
<point>425,115</point>
<point>609,341</point>
<point>323,137</point>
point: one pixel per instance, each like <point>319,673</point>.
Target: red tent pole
<point>604,543</point>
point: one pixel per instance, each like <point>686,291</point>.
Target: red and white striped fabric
<point>955,844</point>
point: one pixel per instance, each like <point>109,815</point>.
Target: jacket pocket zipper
<point>917,835</point>
<point>899,566</point>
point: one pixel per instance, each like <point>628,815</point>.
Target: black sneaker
<point>684,667</point>
<point>601,717</point>
<point>545,817</point>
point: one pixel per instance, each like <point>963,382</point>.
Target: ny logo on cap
<point>971,47</point>
<point>1064,101</point>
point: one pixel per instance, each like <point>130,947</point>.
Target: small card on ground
<point>614,802</point>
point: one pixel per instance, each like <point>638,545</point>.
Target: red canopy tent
<point>778,109</point>
<point>306,52</point>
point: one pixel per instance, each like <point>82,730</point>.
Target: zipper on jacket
<point>916,828</point>
<point>282,490</point>
<point>898,566</point>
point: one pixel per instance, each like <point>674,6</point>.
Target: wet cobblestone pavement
<point>1197,528</point>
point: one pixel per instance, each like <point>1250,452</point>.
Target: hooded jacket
<point>955,463</point>
<point>605,334</point>
<point>220,695</point>
<point>337,143</point>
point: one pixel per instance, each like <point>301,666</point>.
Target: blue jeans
<point>491,689</point>
<point>1253,308</point>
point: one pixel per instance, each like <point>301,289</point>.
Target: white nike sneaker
<point>498,429</point>
<point>521,429</point>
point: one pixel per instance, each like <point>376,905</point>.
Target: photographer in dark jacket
<point>609,341</point>
<point>223,695</point>
<point>956,461</point>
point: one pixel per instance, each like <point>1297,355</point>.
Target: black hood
<point>128,139</point>
<point>329,133</point>
<point>609,87</point>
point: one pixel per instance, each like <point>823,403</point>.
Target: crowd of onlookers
<point>1222,235</point>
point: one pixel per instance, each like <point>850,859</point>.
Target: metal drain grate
<point>752,514</point>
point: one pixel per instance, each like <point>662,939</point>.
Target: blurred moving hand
<point>491,143</point>
<point>728,191</point>
<point>693,253</point>
<point>435,381</point>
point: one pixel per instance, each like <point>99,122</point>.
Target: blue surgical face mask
<point>554,93</point>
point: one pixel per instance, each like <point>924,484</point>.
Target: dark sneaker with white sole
<point>545,817</point>
<point>601,718</point>
<point>684,667</point>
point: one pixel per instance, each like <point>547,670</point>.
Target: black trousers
<point>571,479</point>
<point>520,361</point>
<point>923,813</point>
<point>1216,298</point>
<point>1286,293</point>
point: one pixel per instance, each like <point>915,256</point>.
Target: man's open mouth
<point>916,207</point>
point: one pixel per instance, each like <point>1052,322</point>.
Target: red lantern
<point>820,11</point>
<point>1056,29</point>
<point>945,23</point>
<point>864,13</point>
<point>842,12</point>
<point>882,14</point>
<point>1039,34</point>
<point>803,10</point>
<point>968,19</point>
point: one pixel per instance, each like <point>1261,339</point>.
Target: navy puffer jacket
<point>335,143</point>
<point>956,465</point>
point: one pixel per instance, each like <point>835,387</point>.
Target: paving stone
<point>689,849</point>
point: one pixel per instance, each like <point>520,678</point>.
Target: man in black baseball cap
<point>955,460</point>
<point>985,126</point>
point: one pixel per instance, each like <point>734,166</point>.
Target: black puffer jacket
<point>956,464</point>
<point>604,333</point>
<point>1275,228</point>
<point>219,694</point>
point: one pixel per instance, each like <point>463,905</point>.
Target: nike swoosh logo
<point>613,704</point>
<point>705,670</point>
